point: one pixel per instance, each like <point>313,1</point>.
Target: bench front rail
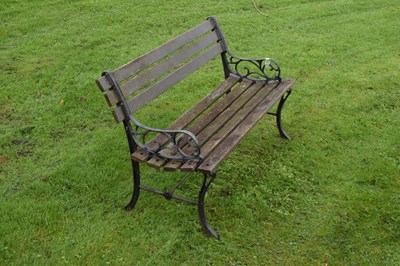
<point>200,139</point>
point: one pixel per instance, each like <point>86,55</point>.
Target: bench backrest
<point>163,67</point>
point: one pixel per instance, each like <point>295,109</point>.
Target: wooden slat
<point>210,164</point>
<point>103,83</point>
<point>212,116</point>
<point>232,122</point>
<point>218,117</point>
<point>172,165</point>
<point>156,162</point>
<point>170,80</point>
<point>198,109</point>
<point>161,51</point>
<point>162,67</point>
<point>215,139</point>
<point>188,116</point>
<point>140,155</point>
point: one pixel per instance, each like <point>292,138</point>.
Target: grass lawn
<point>328,197</point>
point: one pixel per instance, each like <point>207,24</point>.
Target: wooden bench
<point>201,138</point>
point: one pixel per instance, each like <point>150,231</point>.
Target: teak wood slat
<point>149,94</point>
<point>161,51</point>
<point>210,164</point>
<point>207,128</point>
<point>154,55</point>
<point>217,138</point>
<point>208,118</point>
<point>188,116</point>
<point>161,68</point>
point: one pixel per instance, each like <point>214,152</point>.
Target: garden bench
<point>201,138</point>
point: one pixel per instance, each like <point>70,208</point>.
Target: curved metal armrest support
<point>264,69</point>
<point>177,139</point>
<point>173,150</point>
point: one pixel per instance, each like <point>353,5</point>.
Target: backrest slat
<point>163,50</point>
<point>154,55</point>
<point>162,67</point>
<point>168,81</point>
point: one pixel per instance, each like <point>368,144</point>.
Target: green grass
<point>328,197</point>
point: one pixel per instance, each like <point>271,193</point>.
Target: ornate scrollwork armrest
<point>174,146</point>
<point>264,69</point>
<point>177,140</point>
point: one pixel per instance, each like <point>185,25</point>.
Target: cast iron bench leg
<point>207,229</point>
<point>279,113</point>
<point>135,168</point>
<point>136,186</point>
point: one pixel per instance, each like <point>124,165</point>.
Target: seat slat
<point>221,107</point>
<point>156,162</point>
<point>161,68</point>
<point>216,117</point>
<point>170,80</point>
<point>210,164</point>
<point>214,112</point>
<point>173,165</point>
<point>140,155</point>
<point>216,138</point>
<point>188,116</point>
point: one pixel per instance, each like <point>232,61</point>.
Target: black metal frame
<point>278,115</point>
<point>255,69</point>
<point>208,179</point>
<point>177,138</point>
<point>137,133</point>
<point>261,69</point>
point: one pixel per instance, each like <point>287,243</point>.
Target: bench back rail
<point>174,61</point>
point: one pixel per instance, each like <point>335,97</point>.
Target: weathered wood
<point>210,164</point>
<point>154,55</point>
<point>217,137</point>
<point>221,107</point>
<point>161,51</point>
<point>172,165</point>
<point>214,112</point>
<point>162,67</point>
<point>156,162</point>
<point>205,131</point>
<point>103,83</point>
<point>140,156</point>
<point>170,80</point>
<point>188,116</point>
<point>220,121</point>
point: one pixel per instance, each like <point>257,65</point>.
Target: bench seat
<point>218,123</point>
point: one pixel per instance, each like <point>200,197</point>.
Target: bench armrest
<point>264,69</point>
<point>172,144</point>
<point>172,141</point>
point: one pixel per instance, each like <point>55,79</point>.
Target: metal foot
<point>136,186</point>
<point>207,229</point>
<point>279,114</point>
